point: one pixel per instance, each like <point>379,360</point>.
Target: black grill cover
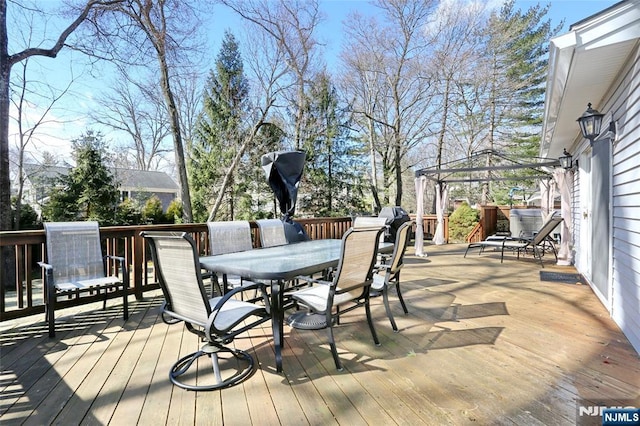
<point>283,170</point>
<point>395,216</point>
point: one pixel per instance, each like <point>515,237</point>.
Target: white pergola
<point>552,180</point>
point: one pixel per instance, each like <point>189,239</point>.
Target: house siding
<point>575,215</point>
<point>625,268</point>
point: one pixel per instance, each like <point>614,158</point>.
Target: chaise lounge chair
<point>538,244</point>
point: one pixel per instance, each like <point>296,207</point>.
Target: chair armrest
<point>48,274</point>
<point>241,289</point>
<point>312,280</point>
<point>120,259</point>
<point>46,266</point>
<point>123,267</point>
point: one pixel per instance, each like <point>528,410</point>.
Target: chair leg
<point>399,293</point>
<point>538,255</point>
<point>183,365</point>
<point>396,278</point>
<point>125,302</point>
<point>367,309</point>
<point>332,343</point>
<point>51,302</point>
<point>385,299</point>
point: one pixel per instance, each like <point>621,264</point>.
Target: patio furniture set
<point>249,285</point>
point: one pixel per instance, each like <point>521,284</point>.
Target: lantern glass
<point>566,160</point>
<point>590,123</point>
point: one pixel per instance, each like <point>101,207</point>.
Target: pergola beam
<point>425,172</point>
<point>492,179</point>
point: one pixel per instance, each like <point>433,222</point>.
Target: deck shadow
<point>448,339</point>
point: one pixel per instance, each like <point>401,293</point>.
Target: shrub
<point>28,216</point>
<point>462,221</point>
<point>152,210</point>
<point>174,212</point>
<point>128,213</point>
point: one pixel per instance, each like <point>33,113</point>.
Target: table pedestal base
<point>307,321</point>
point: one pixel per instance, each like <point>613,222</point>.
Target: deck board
<point>483,343</point>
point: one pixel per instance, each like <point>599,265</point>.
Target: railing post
<point>137,264</point>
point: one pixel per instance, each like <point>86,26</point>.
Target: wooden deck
<point>484,343</point>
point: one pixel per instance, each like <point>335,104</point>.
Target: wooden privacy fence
<point>23,295</point>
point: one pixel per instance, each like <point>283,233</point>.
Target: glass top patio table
<point>280,264</point>
<point>277,263</point>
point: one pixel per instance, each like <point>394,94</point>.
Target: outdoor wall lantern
<point>566,160</point>
<point>590,123</point>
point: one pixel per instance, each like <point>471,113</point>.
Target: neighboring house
<point>598,62</point>
<point>138,185</point>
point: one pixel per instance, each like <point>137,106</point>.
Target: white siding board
<point>623,249</point>
<point>625,110</point>
<point>626,266</point>
<point>577,217</point>
<point>629,224</point>
<point>626,188</point>
<point>626,174</point>
<point>624,301</point>
<point>626,212</point>
<point>626,200</point>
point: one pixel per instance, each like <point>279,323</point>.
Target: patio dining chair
<point>538,244</point>
<point>369,221</point>
<point>350,286</point>
<point>230,237</point>
<point>388,272</point>
<point>217,321</point>
<point>271,232</point>
<point>75,266</point>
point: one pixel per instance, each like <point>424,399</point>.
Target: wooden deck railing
<point>429,223</point>
<point>25,295</point>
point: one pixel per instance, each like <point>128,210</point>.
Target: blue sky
<point>58,136</point>
<point>336,11</point>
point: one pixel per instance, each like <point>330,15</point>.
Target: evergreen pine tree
<point>334,170</point>
<point>219,130</point>
<point>89,191</point>
<point>516,67</point>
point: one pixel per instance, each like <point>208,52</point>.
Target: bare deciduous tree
<point>132,33</point>
<point>138,110</point>
<point>189,101</point>
<point>291,24</point>
<point>29,119</point>
<point>7,61</point>
<point>396,58</point>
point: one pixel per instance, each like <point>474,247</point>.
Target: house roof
<point>130,180</point>
<point>583,65</point>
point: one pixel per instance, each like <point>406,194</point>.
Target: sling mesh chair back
<point>350,286</point>
<point>372,221</point>
<point>389,271</point>
<point>539,243</point>
<point>271,232</point>
<point>230,237</point>
<point>75,265</point>
<point>217,321</point>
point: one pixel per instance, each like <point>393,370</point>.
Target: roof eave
<point>574,77</point>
